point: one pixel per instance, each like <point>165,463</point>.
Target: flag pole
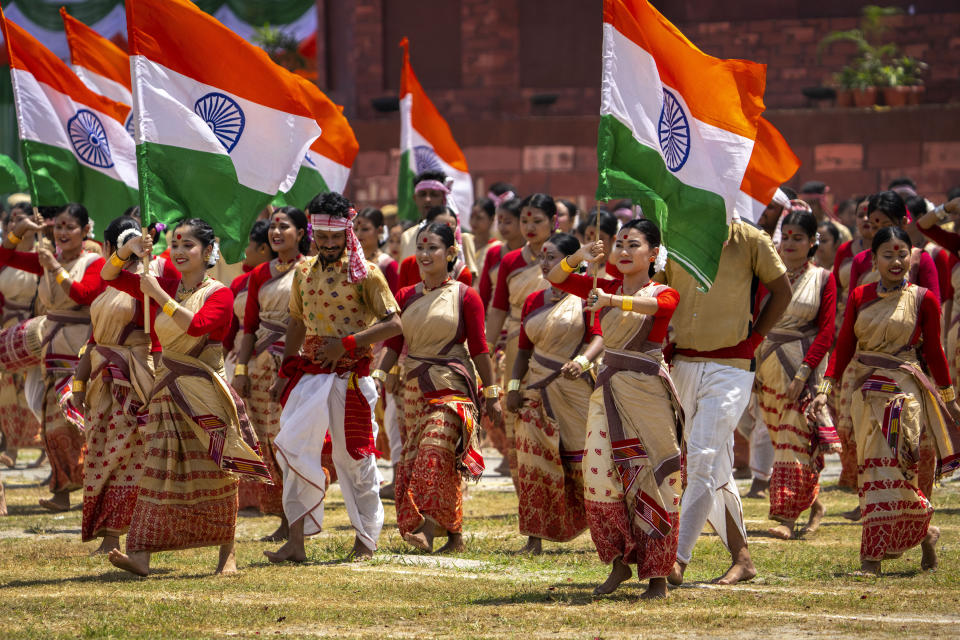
<point>146,271</point>
<point>593,265</point>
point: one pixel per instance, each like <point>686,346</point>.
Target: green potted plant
<point>912,78</point>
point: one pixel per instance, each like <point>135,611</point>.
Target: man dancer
<point>431,189</point>
<point>713,368</point>
<point>340,305</point>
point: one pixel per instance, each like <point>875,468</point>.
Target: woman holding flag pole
<point>197,433</point>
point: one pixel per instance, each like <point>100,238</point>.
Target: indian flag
<point>73,141</point>
<point>220,128</point>
<point>103,66</point>
<point>427,144</point>
<point>12,178</point>
<point>681,133</point>
<point>326,166</point>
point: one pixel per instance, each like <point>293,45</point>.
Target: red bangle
<point>349,343</point>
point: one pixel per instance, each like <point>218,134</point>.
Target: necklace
<point>283,267</point>
<point>556,295</point>
<point>795,274</point>
<point>183,293</point>
<point>426,288</point>
<point>622,292</point>
<point>883,292</point>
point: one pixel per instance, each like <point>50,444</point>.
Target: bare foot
<point>853,514</point>
<point>657,590</point>
<point>758,489</point>
<point>137,562</point>
<point>227,563</point>
<point>868,568</point>
<point>7,461</point>
<point>281,534</point>
<point>929,560</point>
<point>39,461</point>
<point>289,552</point>
<point>619,572</point>
<point>817,511</point>
<point>360,551</point>
<point>534,546</point>
<point>454,544</point>
<point>738,572</point>
<point>387,492</point>
<point>781,531</point>
<point>422,537</point>
<point>58,503</point>
<point>676,574</point>
<point>108,544</point>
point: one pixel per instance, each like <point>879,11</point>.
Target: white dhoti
<point>754,429</point>
<point>315,405</point>
<point>713,397</point>
<point>391,420</point>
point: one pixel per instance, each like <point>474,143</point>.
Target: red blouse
<point>510,263</point>
<point>538,299</point>
<point>927,331</point>
<point>212,319</point>
<point>82,291</point>
<point>844,252</point>
<point>251,310</point>
<point>410,273</point>
<point>490,262</point>
<point>474,333</point>
<point>667,300</point>
<point>826,321</point>
<point>926,271</point>
<point>944,261</point>
<point>391,271</point>
<point>238,286</point>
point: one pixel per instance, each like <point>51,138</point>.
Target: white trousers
<point>754,429</point>
<point>713,398</point>
<point>315,405</point>
<point>391,419</point>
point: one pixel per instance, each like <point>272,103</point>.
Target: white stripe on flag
<point>104,86</point>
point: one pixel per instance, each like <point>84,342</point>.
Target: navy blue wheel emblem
<point>89,139</point>
<point>129,124</point>
<point>424,159</point>
<point>674,130</point>
<point>224,117</point>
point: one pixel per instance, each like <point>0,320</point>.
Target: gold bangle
<point>77,386</point>
<point>14,238</point>
<point>238,369</point>
<point>825,387</point>
<point>948,394</point>
<point>566,266</point>
<point>170,307</point>
<point>626,303</point>
<point>513,385</point>
<point>583,362</point>
<point>803,373</point>
<point>378,374</point>
<point>62,275</point>
<point>83,350</point>
<point>117,261</point>
<point>395,370</point>
<point>491,391</point>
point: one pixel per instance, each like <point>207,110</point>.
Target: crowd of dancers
<point>611,383</point>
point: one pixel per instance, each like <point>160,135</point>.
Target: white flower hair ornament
<point>214,254</point>
<point>661,262</point>
<point>127,235</point>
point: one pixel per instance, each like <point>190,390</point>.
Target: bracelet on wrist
<point>825,387</point>
<point>14,238</point>
<point>77,386</point>
<point>626,303</point>
<point>379,374</point>
<point>491,392</point>
<point>117,261</point>
<point>62,275</point>
<point>349,342</point>
<point>240,370</point>
<point>803,373</point>
<point>395,370</point>
<point>566,266</point>
<point>948,394</point>
<point>170,307</point>
<point>583,362</point>
<point>513,385</point>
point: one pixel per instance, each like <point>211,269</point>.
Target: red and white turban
<point>357,262</point>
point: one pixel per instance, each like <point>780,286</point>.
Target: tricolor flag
<point>681,133</point>
<point>12,177</point>
<point>102,65</point>
<point>326,166</point>
<point>73,141</point>
<point>427,144</point>
<point>220,128</point>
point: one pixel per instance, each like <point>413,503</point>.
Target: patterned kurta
<point>19,424</point>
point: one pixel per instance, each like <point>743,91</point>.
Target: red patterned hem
<point>108,513</point>
<point>611,534</point>
<point>793,488</point>
<point>429,486</point>
<point>892,534</point>
<point>167,527</point>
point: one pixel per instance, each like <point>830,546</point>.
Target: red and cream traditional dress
<point>266,316</point>
<point>67,328</point>
<point>552,424</point>
<point>443,330</point>
<point>631,469</point>
<point>493,245</point>
<point>950,242</point>
<point>19,424</point>
<point>803,335</point>
<point>893,403</point>
<point>519,275</point>
<point>493,256</point>
<point>197,436</point>
<point>842,263</point>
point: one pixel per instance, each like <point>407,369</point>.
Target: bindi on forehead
<point>179,236</point>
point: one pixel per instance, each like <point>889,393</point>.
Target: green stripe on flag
<point>406,208</point>
<point>178,183</point>
<point>12,177</point>
<point>693,222</point>
<point>308,184</point>
<point>57,177</point>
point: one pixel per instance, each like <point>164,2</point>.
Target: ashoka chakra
<point>674,130</point>
<point>129,124</point>
<point>89,139</point>
<point>224,117</point>
<point>424,159</point>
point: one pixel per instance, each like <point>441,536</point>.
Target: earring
<point>450,258</point>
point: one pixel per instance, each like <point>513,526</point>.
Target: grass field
<point>51,588</point>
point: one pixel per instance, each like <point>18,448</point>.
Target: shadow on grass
<point>112,576</point>
<point>35,510</point>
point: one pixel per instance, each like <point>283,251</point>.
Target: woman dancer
<point>70,282</point>
<point>197,435</point>
<point>508,226</point>
<point>887,326</point>
<point>519,276</point>
<point>788,371</point>
<point>368,226</point>
<point>444,334</point>
<point>21,429</point>
<point>265,320</point>
<point>632,464</point>
<point>409,267</point>
<point>557,346</point>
